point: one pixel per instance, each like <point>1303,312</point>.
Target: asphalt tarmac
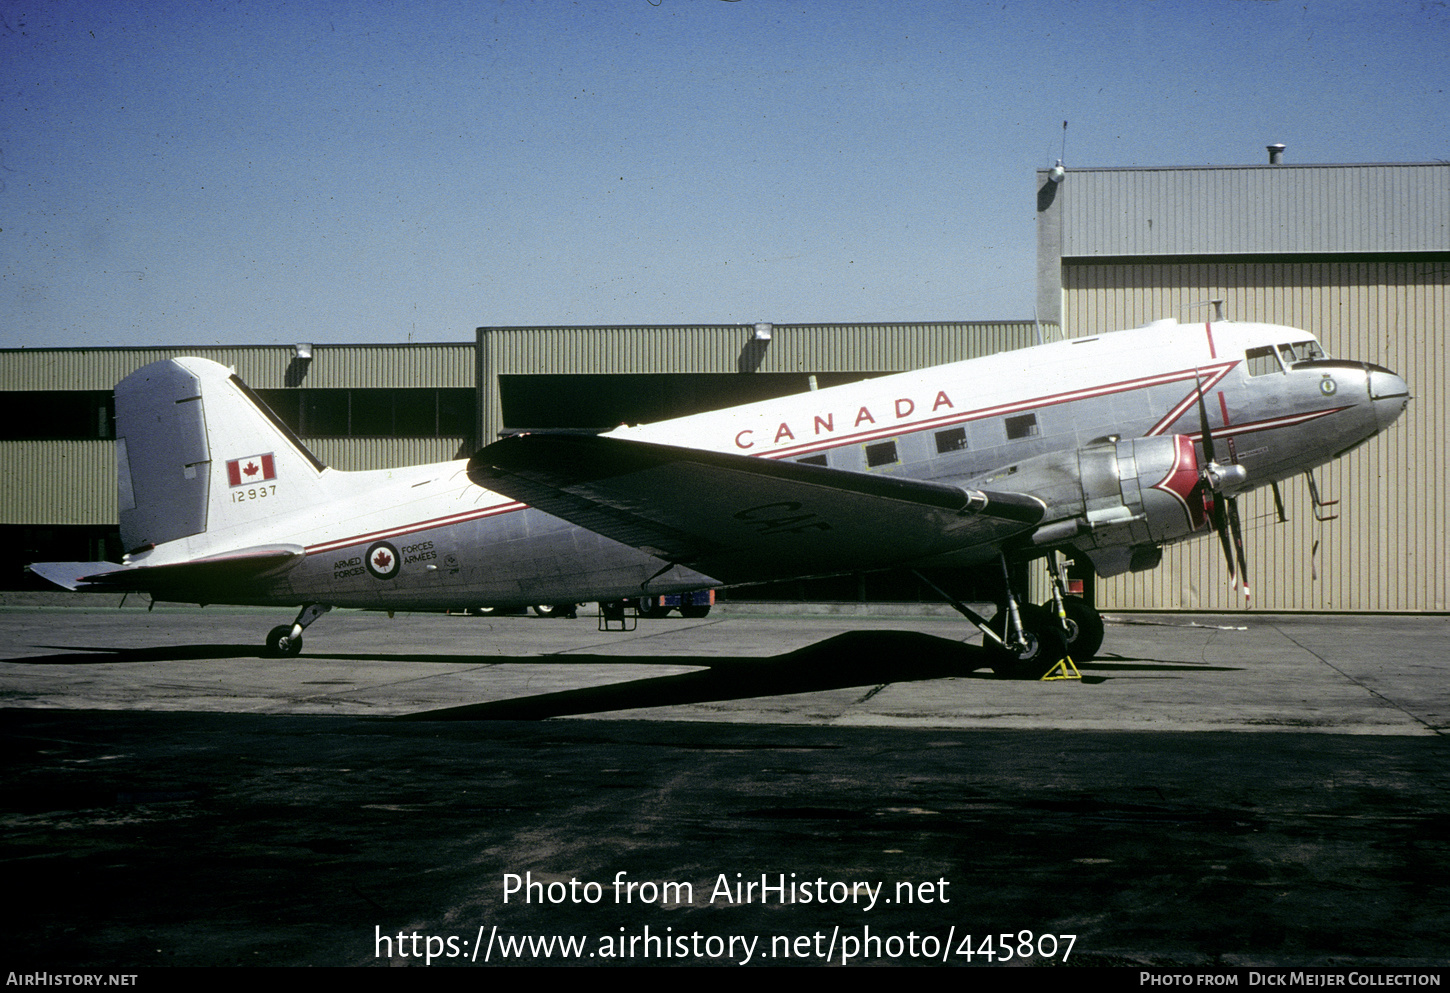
<point>445,790</point>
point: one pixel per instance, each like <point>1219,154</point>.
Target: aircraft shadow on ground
<point>864,659</point>
<point>101,655</point>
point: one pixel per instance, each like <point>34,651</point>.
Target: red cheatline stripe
<point>437,522</point>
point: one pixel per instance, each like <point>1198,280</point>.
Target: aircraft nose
<point>1389,393</point>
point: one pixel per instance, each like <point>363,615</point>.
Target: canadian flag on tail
<point>252,469</point>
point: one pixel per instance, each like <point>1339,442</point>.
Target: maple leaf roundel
<point>382,560</point>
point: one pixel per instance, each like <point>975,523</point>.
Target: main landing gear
<point>285,641</point>
<point>1082,625</point>
<point>1027,641</point>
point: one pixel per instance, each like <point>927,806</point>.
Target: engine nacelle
<point>1116,501</point>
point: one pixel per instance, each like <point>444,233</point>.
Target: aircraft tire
<point>695,610</point>
<point>1046,645</point>
<point>1084,629</point>
<point>651,610</point>
<point>280,646</point>
<point>546,610</point>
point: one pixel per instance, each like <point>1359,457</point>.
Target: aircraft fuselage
<point>427,536</point>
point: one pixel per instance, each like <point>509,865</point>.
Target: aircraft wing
<point>216,572</point>
<point>741,519</point>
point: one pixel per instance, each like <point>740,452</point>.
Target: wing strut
<point>965,611</point>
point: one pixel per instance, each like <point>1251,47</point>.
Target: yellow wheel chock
<point>1063,670</point>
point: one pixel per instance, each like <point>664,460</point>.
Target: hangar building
<point>1357,254</point>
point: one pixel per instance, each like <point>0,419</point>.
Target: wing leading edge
<point>741,519</point>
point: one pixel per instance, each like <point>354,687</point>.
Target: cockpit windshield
<point>1301,351</point>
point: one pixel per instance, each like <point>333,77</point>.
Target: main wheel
<point>545,610</point>
<point>1045,644</point>
<point>281,644</point>
<point>695,610</point>
<point>650,608</point>
<point>1084,628</point>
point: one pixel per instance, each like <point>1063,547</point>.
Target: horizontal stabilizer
<point>742,519</point>
<point>71,575</point>
<point>198,576</point>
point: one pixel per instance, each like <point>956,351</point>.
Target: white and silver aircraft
<point>1106,448</point>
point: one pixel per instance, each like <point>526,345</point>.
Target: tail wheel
<point>1046,644</point>
<point>281,644</point>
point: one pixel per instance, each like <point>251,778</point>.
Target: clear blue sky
<point>251,172</point>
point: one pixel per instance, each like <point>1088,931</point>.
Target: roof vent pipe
<point>1276,153</point>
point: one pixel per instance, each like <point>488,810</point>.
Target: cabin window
<point>954,440</point>
<point>812,460</point>
<point>1262,361</point>
<point>1022,426</point>
<point>881,453</point>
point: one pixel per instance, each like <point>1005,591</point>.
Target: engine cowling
<point>1116,501</point>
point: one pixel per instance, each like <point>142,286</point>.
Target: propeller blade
<point>1225,508</point>
<point>1220,524</point>
<point>1238,536</point>
<point>1205,433</point>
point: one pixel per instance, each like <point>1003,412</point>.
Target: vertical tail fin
<point>197,453</point>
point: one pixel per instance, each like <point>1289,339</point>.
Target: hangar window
<point>954,440</point>
<point>1023,426</point>
<point>374,413</point>
<point>881,453</point>
<point>325,413</point>
<point>1262,361</point>
<point>70,415</point>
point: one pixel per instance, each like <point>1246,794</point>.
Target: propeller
<point>1225,509</point>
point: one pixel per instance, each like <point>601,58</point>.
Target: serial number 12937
<point>254,493</point>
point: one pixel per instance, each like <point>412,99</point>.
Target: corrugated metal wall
<point>1267,209</point>
<point>74,482</point>
<point>1388,550</point>
<point>262,367</point>
<point>718,348</point>
<point>58,482</point>
<point>731,348</point>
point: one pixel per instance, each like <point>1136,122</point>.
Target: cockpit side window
<point>1262,361</point>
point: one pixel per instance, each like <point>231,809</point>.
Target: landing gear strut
<point>1082,625</point>
<point>1023,642</point>
<point>285,641</point>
